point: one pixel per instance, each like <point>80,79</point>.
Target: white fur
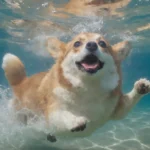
<point>76,77</point>
<point>66,119</point>
<point>87,104</point>
<point>8,58</point>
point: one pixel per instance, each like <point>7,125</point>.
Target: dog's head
<point>88,54</point>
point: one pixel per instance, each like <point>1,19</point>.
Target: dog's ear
<point>121,50</point>
<point>55,47</point>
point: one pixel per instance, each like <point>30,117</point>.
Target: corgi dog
<point>82,91</point>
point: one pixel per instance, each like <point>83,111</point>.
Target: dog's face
<point>89,54</point>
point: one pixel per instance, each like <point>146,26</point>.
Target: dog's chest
<point>94,103</point>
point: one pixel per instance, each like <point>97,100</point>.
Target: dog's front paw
<point>142,86</point>
<point>80,125</point>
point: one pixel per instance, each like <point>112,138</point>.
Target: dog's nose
<point>91,46</point>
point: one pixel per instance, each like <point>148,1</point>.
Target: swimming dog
<point>82,91</point>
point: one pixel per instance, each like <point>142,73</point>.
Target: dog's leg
<point>16,113</point>
<point>127,101</point>
<point>51,138</point>
<point>64,120</point>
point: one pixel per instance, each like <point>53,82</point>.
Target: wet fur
<point>69,98</point>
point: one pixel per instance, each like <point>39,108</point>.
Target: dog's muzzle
<point>90,64</point>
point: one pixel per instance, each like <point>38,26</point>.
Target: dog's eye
<point>102,44</point>
<point>77,44</point>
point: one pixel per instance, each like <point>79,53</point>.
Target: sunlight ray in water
<point>26,25</point>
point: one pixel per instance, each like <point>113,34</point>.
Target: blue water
<point>132,133</point>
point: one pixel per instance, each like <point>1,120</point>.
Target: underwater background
<point>28,42</point>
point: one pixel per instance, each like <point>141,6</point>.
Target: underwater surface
<point>27,40</point>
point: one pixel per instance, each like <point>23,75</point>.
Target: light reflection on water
<point>29,36</point>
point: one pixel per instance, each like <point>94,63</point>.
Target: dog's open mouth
<point>90,64</point>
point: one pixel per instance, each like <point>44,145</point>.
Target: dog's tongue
<point>89,66</point>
